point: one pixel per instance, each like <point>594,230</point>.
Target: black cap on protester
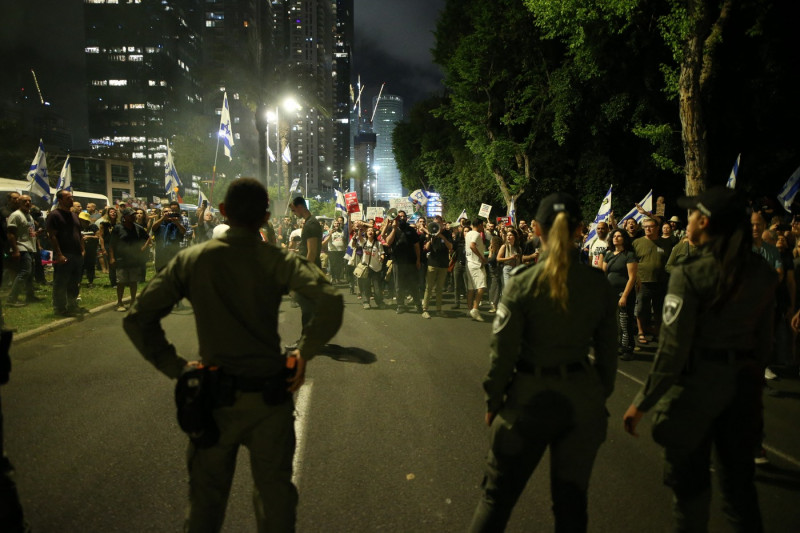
<point>555,204</point>
<point>717,203</point>
<point>128,212</point>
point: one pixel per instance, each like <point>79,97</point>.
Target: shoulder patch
<point>501,318</point>
<point>672,308</point>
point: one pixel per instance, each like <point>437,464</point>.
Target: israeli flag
<point>602,215</point>
<point>419,197</point>
<point>270,154</point>
<point>646,203</point>
<point>171,179</point>
<point>225,131</point>
<point>287,155</point>
<point>789,190</point>
<point>37,175</point>
<point>462,215</point>
<point>734,172</point>
<point>65,179</point>
<point>512,211</point>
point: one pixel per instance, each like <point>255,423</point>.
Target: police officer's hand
<point>631,419</point>
<point>296,381</point>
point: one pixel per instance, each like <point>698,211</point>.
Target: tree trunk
<point>693,128</point>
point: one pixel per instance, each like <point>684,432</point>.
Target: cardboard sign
<point>374,213</point>
<point>504,221</point>
<point>485,210</point>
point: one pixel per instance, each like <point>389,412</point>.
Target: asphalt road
<point>390,435</point>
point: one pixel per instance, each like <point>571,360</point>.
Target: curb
<point>63,322</point>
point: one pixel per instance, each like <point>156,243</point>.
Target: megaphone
<point>391,214</point>
<point>434,228</point>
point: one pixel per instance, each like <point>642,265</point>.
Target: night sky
<point>392,44</point>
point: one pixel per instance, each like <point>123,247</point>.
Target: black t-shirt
<point>617,268</point>
<point>438,255</point>
<point>90,245</point>
<point>403,247</point>
<point>311,230</point>
<point>68,229</point>
<point>127,245</point>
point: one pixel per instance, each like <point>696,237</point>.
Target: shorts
<point>478,275</point>
<point>130,274</point>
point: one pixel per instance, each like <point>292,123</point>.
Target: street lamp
<point>376,168</point>
<point>289,105</point>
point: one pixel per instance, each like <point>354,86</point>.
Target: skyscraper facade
<point>342,63</point>
<point>388,113</point>
<point>303,64</point>
<point>141,66</point>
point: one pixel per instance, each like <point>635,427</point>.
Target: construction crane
<point>377,101</point>
<point>36,82</point>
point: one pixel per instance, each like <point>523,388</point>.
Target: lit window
<point>236,136</point>
<point>137,57</point>
<point>92,49</point>
<point>152,83</point>
<point>163,83</point>
<point>100,83</point>
<point>136,106</point>
<point>118,83</point>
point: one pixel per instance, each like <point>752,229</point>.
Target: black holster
<point>197,394</point>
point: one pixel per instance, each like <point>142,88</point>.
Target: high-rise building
<point>236,58</point>
<point>141,67</point>
<point>303,36</point>
<point>342,62</point>
<point>388,113</point>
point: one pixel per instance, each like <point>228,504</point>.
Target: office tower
<point>303,36</point>
<point>389,112</point>
<point>236,58</point>
<point>141,65</point>
<point>342,62</point>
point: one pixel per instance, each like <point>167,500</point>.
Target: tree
<point>497,76</point>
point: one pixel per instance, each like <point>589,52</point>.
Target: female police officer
<point>541,389</point>
<point>705,384</point>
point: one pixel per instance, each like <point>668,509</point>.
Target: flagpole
<point>214,172</point>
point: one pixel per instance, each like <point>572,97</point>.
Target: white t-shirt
<point>474,236</point>
<point>596,251</point>
<point>337,244</point>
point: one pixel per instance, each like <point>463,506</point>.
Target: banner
<point>374,212</point>
<point>504,221</point>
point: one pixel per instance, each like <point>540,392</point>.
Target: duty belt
<point>553,371</point>
<point>724,356</point>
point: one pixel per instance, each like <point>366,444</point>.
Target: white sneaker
<point>476,315</point>
<point>426,314</point>
<point>366,305</point>
<point>493,309</point>
<point>769,374</point>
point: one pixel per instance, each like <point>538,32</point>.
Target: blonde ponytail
<point>557,263</point>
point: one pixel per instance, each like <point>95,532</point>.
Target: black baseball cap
<point>717,203</point>
<point>128,212</point>
<point>558,203</point>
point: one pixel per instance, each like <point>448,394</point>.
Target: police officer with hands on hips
<point>236,285</point>
<point>705,384</point>
<point>541,390</point>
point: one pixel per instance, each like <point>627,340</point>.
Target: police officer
<point>236,284</point>
<point>706,380</point>
<point>541,389</point>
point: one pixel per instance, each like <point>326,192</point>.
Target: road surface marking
<point>783,455</point>
<point>301,404</point>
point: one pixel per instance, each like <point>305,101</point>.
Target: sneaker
<point>769,374</point>
<point>476,315</point>
<point>425,314</point>
<point>492,309</point>
<point>761,457</point>
<point>121,309</point>
<point>366,305</point>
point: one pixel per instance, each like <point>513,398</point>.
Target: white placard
<point>485,210</point>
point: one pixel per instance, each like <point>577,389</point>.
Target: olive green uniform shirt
<point>690,327</point>
<point>235,285</point>
<point>533,328</point>
<point>680,253</point>
<point>652,256</point>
